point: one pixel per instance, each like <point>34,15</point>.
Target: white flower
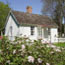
<point>30,44</point>
<point>23,47</point>
<point>27,40</point>
<point>19,42</point>
<point>58,50</point>
<point>47,64</point>
<point>39,60</point>
<point>14,42</point>
<point>14,51</point>
<point>7,47</point>
<point>8,61</point>
<point>52,46</point>
<point>30,59</point>
<point>51,52</point>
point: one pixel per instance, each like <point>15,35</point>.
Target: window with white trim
<point>39,31</point>
<point>48,31</point>
<point>11,30</point>
<point>32,30</point>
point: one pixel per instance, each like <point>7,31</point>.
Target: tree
<point>56,8</point>
<point>4,10</point>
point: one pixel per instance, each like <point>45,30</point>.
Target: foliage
<point>50,6</point>
<point>56,8</point>
<point>23,51</point>
<point>4,10</point>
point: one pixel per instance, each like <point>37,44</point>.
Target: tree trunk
<point>60,29</point>
<point>64,26</point>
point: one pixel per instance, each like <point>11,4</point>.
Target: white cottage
<point>31,25</point>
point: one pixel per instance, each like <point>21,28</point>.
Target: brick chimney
<point>29,9</point>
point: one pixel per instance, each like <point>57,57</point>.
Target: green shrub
<point>24,52</point>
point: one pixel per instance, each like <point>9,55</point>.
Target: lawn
<point>60,44</point>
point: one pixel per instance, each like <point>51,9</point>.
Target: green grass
<point>60,44</point>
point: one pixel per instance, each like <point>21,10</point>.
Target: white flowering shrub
<point>24,52</point>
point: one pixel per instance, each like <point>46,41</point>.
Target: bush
<point>24,52</point>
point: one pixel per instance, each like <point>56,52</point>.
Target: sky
<point>20,5</point>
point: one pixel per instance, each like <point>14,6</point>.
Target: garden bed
<point>23,52</point>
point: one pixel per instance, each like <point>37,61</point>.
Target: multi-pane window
<point>48,31</point>
<point>39,31</point>
<point>32,30</point>
<point>11,30</point>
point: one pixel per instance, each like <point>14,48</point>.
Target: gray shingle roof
<point>28,18</point>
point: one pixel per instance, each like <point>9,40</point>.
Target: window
<point>11,30</point>
<point>48,31</point>
<point>39,31</point>
<point>32,30</point>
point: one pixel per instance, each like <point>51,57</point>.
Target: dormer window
<point>32,30</point>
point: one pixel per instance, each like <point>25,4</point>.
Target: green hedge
<point>24,52</point>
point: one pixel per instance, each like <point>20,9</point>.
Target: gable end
<point>15,20</point>
<point>13,17</point>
